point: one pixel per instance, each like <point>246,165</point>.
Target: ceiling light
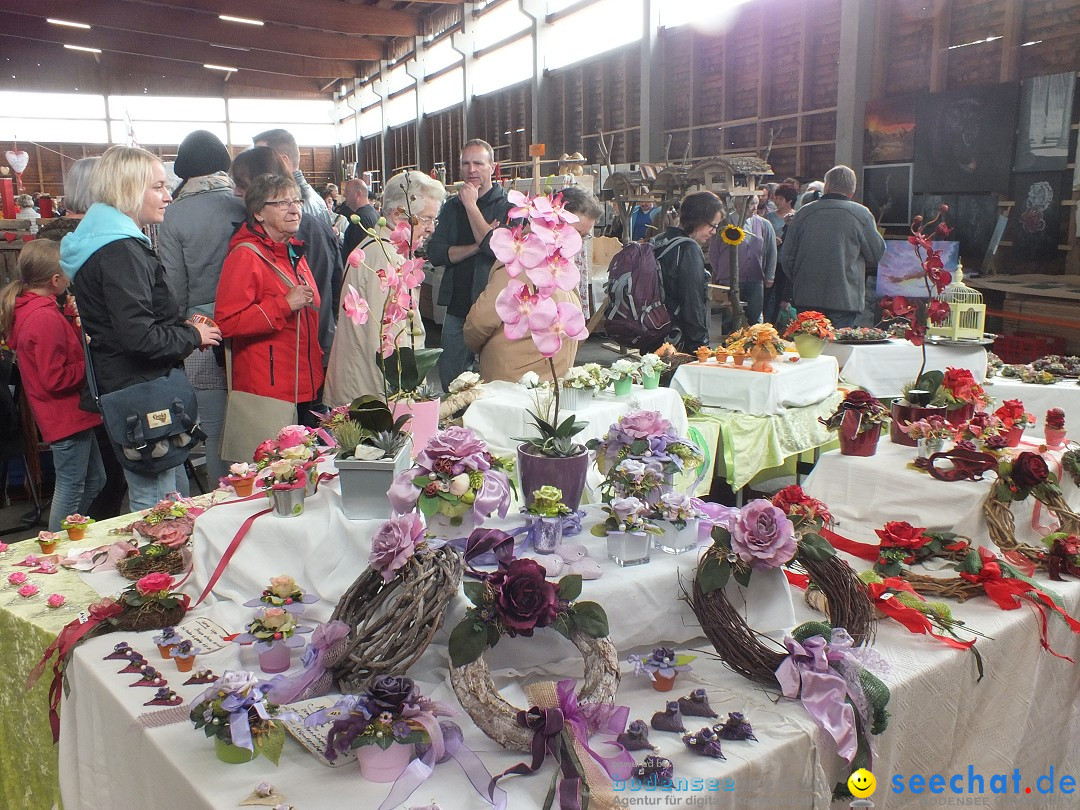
<point>244,20</point>
<point>68,23</point>
<point>220,67</point>
<point>81,48</point>
<point>229,47</point>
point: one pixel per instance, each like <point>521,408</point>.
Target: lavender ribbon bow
<point>287,688</point>
<point>587,719</point>
<point>806,674</point>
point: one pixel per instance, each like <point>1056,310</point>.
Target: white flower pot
<point>675,540</point>
<point>364,484</point>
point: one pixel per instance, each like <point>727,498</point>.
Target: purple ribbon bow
<point>807,674</point>
<point>287,688</point>
<point>587,719</point>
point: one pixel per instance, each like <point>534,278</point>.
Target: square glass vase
<point>675,540</point>
<point>629,548</point>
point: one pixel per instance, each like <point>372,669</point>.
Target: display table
<point>791,385</point>
<point>884,369</point>
<point>1038,399</point>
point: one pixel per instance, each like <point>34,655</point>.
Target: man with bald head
<point>359,204</point>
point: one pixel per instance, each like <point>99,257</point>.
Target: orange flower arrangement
<point>811,323</point>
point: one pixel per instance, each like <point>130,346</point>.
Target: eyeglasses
<point>432,221</point>
<point>714,226</point>
<point>284,205</point>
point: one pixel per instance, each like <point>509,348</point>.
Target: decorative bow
<point>587,719</point>
<point>968,465</point>
<point>807,674</point>
<point>287,688</point>
<point>883,595</point>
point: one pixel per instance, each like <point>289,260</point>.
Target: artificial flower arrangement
<point>959,389</point>
<point>758,336</point>
<point>589,377</point>
<point>269,625</point>
<point>982,431</point>
<point>284,474</point>
<point>903,544</point>
<point>1013,414</point>
<point>870,413</point>
<point>661,666</point>
<point>47,541</point>
<point>366,429</point>
<point>283,592</point>
<point>150,603</point>
<point>1027,474</point>
<point>398,543</point>
<point>1063,553</point>
<point>168,523</point>
<point>76,525</point>
<point>452,476</point>
<point>625,369</point>
<point>292,443</point>
<point>547,502</point>
<point>629,515</point>
<point>804,512</point>
<point>933,427</point>
<point>634,478</point>
<point>234,711</point>
<point>652,365</point>
<point>1054,427</point>
<point>678,509</point>
<point>649,437</point>
<point>811,323</point>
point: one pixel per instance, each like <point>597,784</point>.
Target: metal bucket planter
<point>364,484</point>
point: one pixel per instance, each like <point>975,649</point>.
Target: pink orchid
<point>401,237</point>
<point>555,272</point>
<point>549,329</point>
<point>388,345</point>
<point>552,212</point>
<point>389,278</point>
<point>356,258</point>
<point>412,273</point>
<point>520,202</point>
<point>356,307</point>
<point>517,250</point>
<point>562,238</point>
<point>514,306</point>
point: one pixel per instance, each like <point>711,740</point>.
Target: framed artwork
<point>889,133</point>
<point>1042,139</point>
<point>1035,222</point>
<point>971,219</point>
<point>899,271</point>
<point>962,138</point>
<point>886,191</point>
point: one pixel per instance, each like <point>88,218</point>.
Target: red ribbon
<point>864,551</point>
<point>914,620</point>
<point>73,632</point>
<point>234,544</point>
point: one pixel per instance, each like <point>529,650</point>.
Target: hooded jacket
<point>135,326</point>
<point>251,310</point>
<point>51,365</point>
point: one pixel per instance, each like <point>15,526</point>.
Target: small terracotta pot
<point>164,650</point>
<point>242,485</point>
<point>76,533</point>
<point>1012,438</point>
<point>185,664</point>
<point>47,546</point>
<point>1054,438</point>
<point>738,358</point>
<point>663,683</point>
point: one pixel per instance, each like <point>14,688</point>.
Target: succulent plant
<point>348,434</point>
<point>388,441</point>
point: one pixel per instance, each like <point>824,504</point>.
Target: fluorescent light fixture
<point>973,42</point>
<point>220,67</point>
<point>1033,42</point>
<point>68,23</point>
<point>229,47</point>
<point>81,48</point>
<point>244,20</point>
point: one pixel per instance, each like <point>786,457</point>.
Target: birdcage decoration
<point>967,312</point>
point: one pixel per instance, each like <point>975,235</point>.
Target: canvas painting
<point>971,219</point>
<point>886,191</point>
<point>1042,140</point>
<point>889,135</point>
<point>963,139</point>
<point>899,271</point>
<point>1035,223</point>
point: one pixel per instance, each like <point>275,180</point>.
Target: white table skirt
<point>1039,398</point>
<point>884,369</point>
<point>791,385</point>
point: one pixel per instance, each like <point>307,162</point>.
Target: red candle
<point>7,196</point>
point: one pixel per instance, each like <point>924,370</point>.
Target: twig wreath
<point>396,606</point>
<point>515,600</point>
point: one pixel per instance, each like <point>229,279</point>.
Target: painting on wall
<point>889,135</point>
<point>971,219</point>
<point>886,191</point>
<point>1042,139</point>
<point>900,273</point>
<point>1034,225</point>
<point>962,138</point>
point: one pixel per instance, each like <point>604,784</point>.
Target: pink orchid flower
<point>356,307</point>
<point>514,305</point>
<point>520,202</point>
<point>562,238</point>
<point>550,211</point>
<point>356,258</point>
<point>555,272</point>
<point>412,273</point>
<point>401,237</point>
<point>388,278</point>
<point>517,250</point>
<point>388,345</point>
<point>550,329</point>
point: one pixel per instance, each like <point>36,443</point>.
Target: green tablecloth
<point>746,444</point>
<point>28,758</point>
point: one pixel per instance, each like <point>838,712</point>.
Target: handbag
<point>152,425</point>
<point>250,419</point>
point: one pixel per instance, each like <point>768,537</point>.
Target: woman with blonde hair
<point>136,330</point>
<point>410,199</point>
<point>49,352</point>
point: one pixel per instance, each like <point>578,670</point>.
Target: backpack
<point>636,315</point>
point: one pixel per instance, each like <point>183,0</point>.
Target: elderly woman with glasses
<point>268,303</point>
<point>410,203</point>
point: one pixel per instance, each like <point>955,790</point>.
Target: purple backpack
<point>636,315</point>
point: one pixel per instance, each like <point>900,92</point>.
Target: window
<point>398,79</point>
<point>370,122</point>
<point>58,130</point>
<point>305,134</point>
<point>575,38</point>
<point>508,65</point>
<point>401,109</point>
<point>163,132</point>
<point>167,108</point>
<point>53,105</point>
<point>445,91</point>
<point>281,111</point>
<point>714,14</point>
<point>439,56</point>
<point>498,24</point>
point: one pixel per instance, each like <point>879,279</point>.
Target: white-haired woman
<point>136,331</point>
<point>412,198</point>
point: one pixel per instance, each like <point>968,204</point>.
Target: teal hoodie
<point>102,225</point>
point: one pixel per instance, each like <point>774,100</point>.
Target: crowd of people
<point>245,287</point>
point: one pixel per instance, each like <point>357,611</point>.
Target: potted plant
<point>274,632</point>
<point>545,512</point>
<point>809,331</point>
<point>623,373</point>
<point>553,458</point>
<point>628,531</point>
<point>661,666</point>
<point>930,433</point>
<point>166,640</point>
<point>150,604</point>
<point>678,516</point>
<point>241,478</point>
<point>183,653</point>
<point>76,526</point>
<point>1054,428</point>
<point>761,342</point>
<point>1015,419</point>
<point>373,447</point>
<point>286,485</point>
<point>47,541</point>
<point>652,366</point>
<point>983,431</point>
<point>283,592</point>
<point>382,725</point>
<point>858,419</point>
<point>235,713</point>
<point>577,386</point>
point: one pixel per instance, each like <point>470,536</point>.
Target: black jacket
<point>686,290</point>
<point>135,326</point>
<point>324,258</point>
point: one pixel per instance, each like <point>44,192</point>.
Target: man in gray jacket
<point>826,249</point>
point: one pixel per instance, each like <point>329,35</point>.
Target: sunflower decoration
<point>732,235</point>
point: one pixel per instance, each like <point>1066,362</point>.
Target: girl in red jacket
<point>48,349</point>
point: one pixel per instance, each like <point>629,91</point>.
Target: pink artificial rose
<point>56,600</point>
<point>642,424</point>
<point>292,435</point>
<point>18,578</point>
<point>457,443</point>
<point>173,533</point>
<point>266,450</point>
<point>28,590</point>
<point>395,543</point>
<point>154,583</point>
<point>764,536</point>
<point>3,547</point>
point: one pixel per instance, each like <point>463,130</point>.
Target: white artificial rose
<point>530,379</point>
<point>467,379</point>
<point>459,484</point>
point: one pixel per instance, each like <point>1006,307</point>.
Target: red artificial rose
<point>154,583</point>
<point>901,534</point>
<point>1055,419</point>
<point>862,400</point>
<point>1029,470</point>
<point>524,599</point>
<point>1011,412</point>
<point>796,503</point>
<point>962,386</point>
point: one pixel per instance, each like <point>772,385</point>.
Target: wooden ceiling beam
<point>204,28</point>
<point>328,15</point>
<point>108,39</point>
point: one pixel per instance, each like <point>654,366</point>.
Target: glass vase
<point>675,540</point>
<point>546,533</point>
<point>629,548</point>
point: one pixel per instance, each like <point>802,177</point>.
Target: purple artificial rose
<point>392,693</point>
<point>642,424</point>
<point>524,599</point>
<point>394,543</point>
<point>456,443</point>
<point>763,535</point>
<point>403,493</point>
<point>628,508</point>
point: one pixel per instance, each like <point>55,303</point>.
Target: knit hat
<point>201,153</point>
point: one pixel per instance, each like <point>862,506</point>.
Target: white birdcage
<point>967,312</point>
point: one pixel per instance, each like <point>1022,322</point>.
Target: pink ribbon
<point>287,688</point>
<point>806,674</point>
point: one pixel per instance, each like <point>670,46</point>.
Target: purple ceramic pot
<point>568,474</point>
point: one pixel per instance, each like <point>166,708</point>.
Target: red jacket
<point>252,310</point>
<point>52,366</point>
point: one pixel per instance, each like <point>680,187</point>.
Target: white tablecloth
<point>1039,398</point>
<point>792,385</point>
<point>884,369</point>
